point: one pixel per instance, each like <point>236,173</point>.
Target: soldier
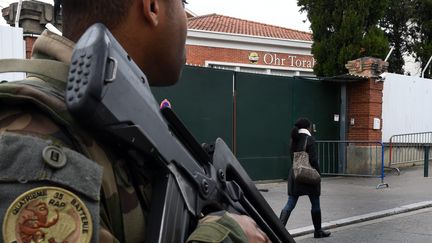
<point>57,182</point>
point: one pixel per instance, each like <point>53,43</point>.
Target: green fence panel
<point>267,108</point>
<point>263,117</point>
<point>203,101</point>
<point>263,111</point>
<point>319,101</point>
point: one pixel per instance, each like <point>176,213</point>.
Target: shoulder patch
<point>47,214</point>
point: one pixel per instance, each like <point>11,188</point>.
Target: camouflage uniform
<point>33,117</point>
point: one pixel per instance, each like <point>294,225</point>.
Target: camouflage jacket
<point>95,188</point>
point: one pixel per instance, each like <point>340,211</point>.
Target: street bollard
<point>426,160</point>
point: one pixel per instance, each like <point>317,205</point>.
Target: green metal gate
<point>253,113</point>
<point>203,101</point>
<point>263,117</point>
<point>267,108</point>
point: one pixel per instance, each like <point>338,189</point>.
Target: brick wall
<point>197,55</point>
<point>364,111</point>
<point>365,100</point>
<point>29,42</point>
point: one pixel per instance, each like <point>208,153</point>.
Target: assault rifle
<point>109,93</point>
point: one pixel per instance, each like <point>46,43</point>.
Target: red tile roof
<point>225,24</point>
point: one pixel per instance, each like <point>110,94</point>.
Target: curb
<point>361,218</point>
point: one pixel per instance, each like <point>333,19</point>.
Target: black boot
<point>284,216</point>
<point>319,233</point>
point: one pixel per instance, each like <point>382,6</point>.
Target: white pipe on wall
<point>425,68</point>
<point>388,55</point>
<point>18,14</point>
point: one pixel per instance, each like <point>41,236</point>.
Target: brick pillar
<point>29,42</point>
<point>34,15</point>
<point>365,99</point>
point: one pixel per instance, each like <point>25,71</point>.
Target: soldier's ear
<point>151,10</point>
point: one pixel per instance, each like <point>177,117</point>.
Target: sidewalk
<point>413,226</point>
<point>349,200</point>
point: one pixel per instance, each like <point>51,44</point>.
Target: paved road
<point>414,226</point>
<point>345,197</point>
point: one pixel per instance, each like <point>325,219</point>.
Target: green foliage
<point>344,30</point>
<point>375,42</point>
<point>422,32</point>
<point>396,24</point>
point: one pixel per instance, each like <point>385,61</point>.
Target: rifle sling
<point>47,68</point>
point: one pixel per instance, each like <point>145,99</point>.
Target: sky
<point>283,13</point>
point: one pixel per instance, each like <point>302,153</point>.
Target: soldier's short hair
<point>78,15</point>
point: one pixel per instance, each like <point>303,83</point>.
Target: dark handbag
<point>303,171</point>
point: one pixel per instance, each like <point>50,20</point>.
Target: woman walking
<point>301,136</point>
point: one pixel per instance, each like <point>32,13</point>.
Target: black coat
<point>300,189</point>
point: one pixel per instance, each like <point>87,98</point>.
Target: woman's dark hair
<point>300,123</point>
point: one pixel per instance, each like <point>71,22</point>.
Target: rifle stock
<point>107,92</point>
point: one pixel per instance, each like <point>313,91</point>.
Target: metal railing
<point>352,158</point>
<point>408,149</point>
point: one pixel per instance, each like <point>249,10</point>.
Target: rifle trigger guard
<point>234,191</point>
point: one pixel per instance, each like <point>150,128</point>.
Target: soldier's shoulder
<point>39,176</point>
<point>41,168</point>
